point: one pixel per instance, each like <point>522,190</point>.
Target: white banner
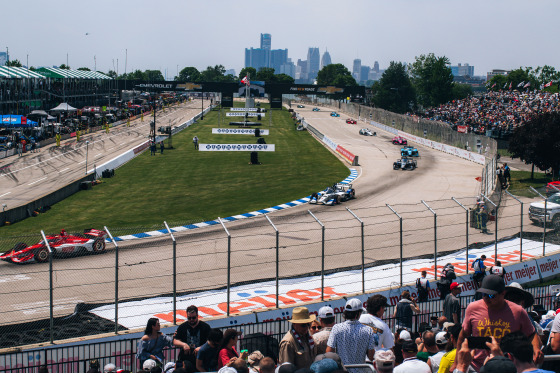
<point>243,114</point>
<point>332,145</point>
<point>239,131</point>
<point>243,109</point>
<point>236,147</point>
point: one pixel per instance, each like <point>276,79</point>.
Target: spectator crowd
<point>494,333</point>
<point>501,110</point>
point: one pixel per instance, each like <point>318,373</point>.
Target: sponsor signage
<point>243,109</point>
<point>239,131</point>
<point>462,128</point>
<point>236,147</point>
<point>345,153</point>
<point>243,114</point>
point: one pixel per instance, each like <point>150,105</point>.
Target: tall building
<point>313,63</point>
<point>266,41</point>
<point>3,58</point>
<point>364,73</point>
<point>289,68</point>
<point>278,57</point>
<point>356,69</point>
<point>301,70</point>
<point>376,67</point>
<point>462,70</point>
<point>257,58</point>
<point>326,59</point>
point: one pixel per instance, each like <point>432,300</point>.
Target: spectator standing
<point>195,142</point>
<point>351,340</point>
<point>452,304</point>
<point>375,306</point>
<point>498,269</point>
<point>152,343</point>
<point>446,278</point>
<point>492,315</point>
<point>227,348</point>
<point>554,342</point>
<point>423,287</point>
<point>479,269</point>
<point>384,361</point>
<point>405,309</point>
<point>410,363</point>
<point>448,359</point>
<point>507,173</point>
<point>161,147</point>
<point>314,327</point>
<point>297,347</point>
<point>152,148</point>
<point>207,357</point>
<point>441,343</point>
<point>326,317</point>
<point>190,336</point>
<point>428,347</point>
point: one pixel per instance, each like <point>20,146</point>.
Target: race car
<point>404,164</point>
<point>367,132</point>
<point>399,140</point>
<point>409,151</point>
<point>335,114</point>
<point>301,106</point>
<point>91,240</point>
<point>351,121</point>
<point>335,194</point>
<point>316,109</point>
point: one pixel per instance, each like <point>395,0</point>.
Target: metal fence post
<point>363,251</point>
<point>435,236</point>
<point>495,229</point>
<point>116,280</point>
<point>51,300</point>
<point>277,259</point>
<point>174,273</point>
<point>322,256</point>
<point>521,230</point>
<point>545,217</point>
<point>228,263</point>
<point>466,233</point>
<point>401,239</point>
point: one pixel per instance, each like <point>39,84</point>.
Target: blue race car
<point>333,195</point>
<point>409,151</point>
<point>335,114</point>
<point>316,109</point>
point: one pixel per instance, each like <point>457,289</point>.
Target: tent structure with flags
<point>68,73</point>
<point>16,72</point>
<point>9,120</point>
<point>64,107</point>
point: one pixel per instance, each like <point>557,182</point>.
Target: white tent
<point>64,107</point>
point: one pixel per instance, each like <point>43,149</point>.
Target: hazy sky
<point>165,34</point>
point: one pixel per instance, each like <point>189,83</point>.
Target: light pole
<point>87,149</point>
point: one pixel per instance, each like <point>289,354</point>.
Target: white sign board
<point>243,114</point>
<point>239,131</point>
<point>243,109</point>
<point>236,147</point>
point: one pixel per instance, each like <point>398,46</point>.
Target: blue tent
<point>9,120</point>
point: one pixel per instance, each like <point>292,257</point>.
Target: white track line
<point>63,170</point>
<point>37,181</point>
<point>7,193</point>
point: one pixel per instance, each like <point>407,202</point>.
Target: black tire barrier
<point>85,185</point>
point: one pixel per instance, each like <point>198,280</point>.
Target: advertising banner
<point>243,109</point>
<point>345,153</point>
<point>462,128</point>
<point>239,131</point>
<point>236,147</point>
<point>242,114</point>
<point>332,145</point>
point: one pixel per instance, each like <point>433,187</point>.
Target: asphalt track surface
<point>145,265</point>
<point>27,178</point>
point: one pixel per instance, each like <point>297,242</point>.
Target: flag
<point>520,84</point>
<point>548,84</point>
<point>527,85</point>
<point>510,83</point>
<point>505,85</point>
<point>494,85</point>
<point>245,81</point>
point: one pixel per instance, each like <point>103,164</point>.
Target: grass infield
<point>521,181</point>
<point>184,186</point>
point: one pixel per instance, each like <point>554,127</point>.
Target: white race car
<point>367,132</point>
<point>333,195</point>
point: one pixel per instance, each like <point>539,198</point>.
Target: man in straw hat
<point>297,346</point>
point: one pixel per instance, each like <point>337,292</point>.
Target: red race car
<point>399,140</point>
<point>351,121</point>
<point>91,240</point>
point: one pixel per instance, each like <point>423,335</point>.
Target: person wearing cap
<point>441,344</point>
<point>350,339</point>
<point>333,356</point>
<point>109,368</point>
<point>495,316</point>
<point>404,311</point>
<point>254,360</point>
<point>375,306</point>
<point>297,346</point>
<point>452,303</point>
<point>448,359</point>
<point>411,364</point>
<point>384,361</point>
<point>326,318</point>
<point>149,364</point>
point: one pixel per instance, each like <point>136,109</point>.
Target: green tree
<point>15,63</point>
<point>154,75</point>
<point>498,82</point>
<point>84,69</point>
<point>284,78</point>
<point>432,79</point>
<point>336,75</point>
<point>248,71</point>
<point>461,91</point>
<point>394,91</point>
<point>214,74</point>
<point>112,74</point>
<point>189,74</point>
<point>265,75</point>
<point>538,141</point>
<point>64,66</point>
<point>135,75</point>
<point>521,75</point>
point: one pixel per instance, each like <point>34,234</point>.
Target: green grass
<point>504,152</point>
<point>521,181</point>
<point>184,186</point>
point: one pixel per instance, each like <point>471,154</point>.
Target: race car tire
<point>19,246</point>
<point>99,245</point>
<point>337,200</point>
<point>42,254</point>
<point>353,194</point>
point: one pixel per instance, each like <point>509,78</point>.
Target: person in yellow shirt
<point>447,363</point>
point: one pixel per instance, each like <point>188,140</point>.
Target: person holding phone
<point>494,316</point>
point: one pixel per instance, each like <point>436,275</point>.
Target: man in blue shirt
<point>479,270</point>
<point>207,357</point>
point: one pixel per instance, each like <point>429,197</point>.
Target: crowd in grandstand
<point>495,333</point>
<point>501,110</point>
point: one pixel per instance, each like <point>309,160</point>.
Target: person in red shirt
<point>495,316</point>
<point>228,351</point>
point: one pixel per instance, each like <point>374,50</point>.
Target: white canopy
<point>64,107</point>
